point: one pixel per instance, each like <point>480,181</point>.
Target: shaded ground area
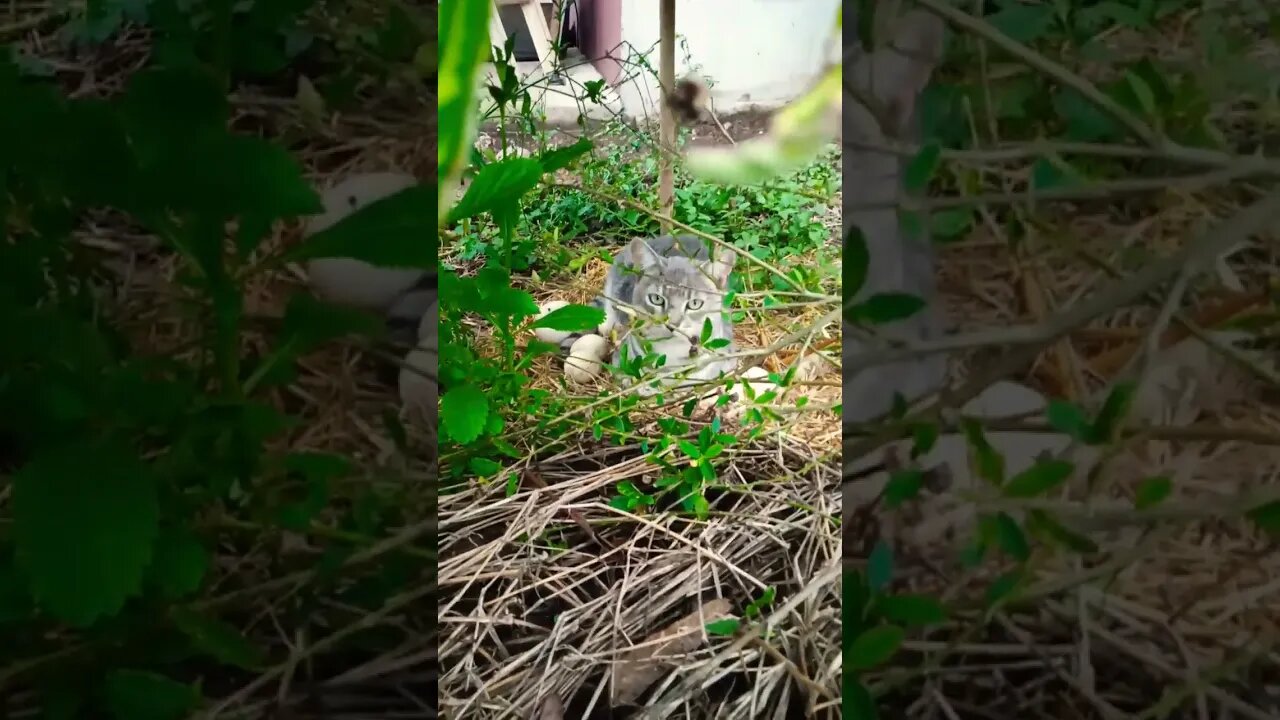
<point>309,599</point>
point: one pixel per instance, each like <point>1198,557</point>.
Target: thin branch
<point>1252,219</point>
<point>1247,221</point>
<point>1058,72</point>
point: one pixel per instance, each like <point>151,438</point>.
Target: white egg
<point>758,378</point>
<point>586,358</point>
<point>547,335</point>
<point>419,390</point>
<point>346,281</point>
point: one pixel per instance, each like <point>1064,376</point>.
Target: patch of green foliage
<point>517,219</point>
<point>125,475</point>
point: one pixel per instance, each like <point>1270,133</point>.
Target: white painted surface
<point>756,53</point>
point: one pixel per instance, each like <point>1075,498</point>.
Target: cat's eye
<point>694,304</point>
<point>656,300</point>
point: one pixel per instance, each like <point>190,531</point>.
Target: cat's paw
<point>586,359</point>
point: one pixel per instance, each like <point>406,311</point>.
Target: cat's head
<point>883,84</point>
<point>675,295</point>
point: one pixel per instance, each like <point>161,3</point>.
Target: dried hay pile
<point>532,605</point>
<point>1174,609</point>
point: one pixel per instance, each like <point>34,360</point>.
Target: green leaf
<point>855,261</point>
<point>499,298</point>
<point>397,231</point>
<point>240,176</point>
<point>873,647</point>
<point>1044,526</point>
<point>903,485</point>
<point>64,699</point>
<point>765,600</point>
<point>497,186</point>
<point>1107,424</point>
<point>1049,174</point>
<point>483,467</point>
<point>1267,517</point>
<point>217,639</point>
<point>1152,492</point>
<point>1038,479</point>
<point>1024,23</point>
<point>880,567</point>
<point>855,598</point>
<point>463,412</point>
<point>701,508</point>
<point>922,167</point>
<point>1085,122</point>
<point>180,563</point>
<point>561,157</point>
<point>1010,538</point>
<point>1120,13</point>
<point>726,626</point>
<point>141,695</point>
<point>924,436</point>
<point>950,224</point>
<point>883,308</point>
<point>971,555</point>
<point>855,700</point>
<point>464,45</point>
<point>317,471</point>
<point>912,610</point>
<point>163,107</point>
<point>1070,419</point>
<point>865,24</point>
<point>990,463</point>
<point>85,519</point>
<point>689,449</point>
<point>1142,91</point>
<point>571,318</point>
<point>1003,587</point>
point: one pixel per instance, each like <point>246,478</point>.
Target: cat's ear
<point>719,267</point>
<point>898,71</point>
<point>642,254</point>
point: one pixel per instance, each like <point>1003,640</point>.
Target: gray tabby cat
<point>890,77</point>
<point>659,295</point>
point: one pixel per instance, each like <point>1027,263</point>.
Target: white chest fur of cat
<point>661,296</point>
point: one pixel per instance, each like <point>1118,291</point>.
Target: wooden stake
<point>667,77</point>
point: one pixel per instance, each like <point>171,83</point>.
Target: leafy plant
<point>128,470</point>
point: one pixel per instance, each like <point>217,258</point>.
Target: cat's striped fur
<point>659,296</point>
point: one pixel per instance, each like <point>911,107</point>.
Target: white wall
<point>758,53</point>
